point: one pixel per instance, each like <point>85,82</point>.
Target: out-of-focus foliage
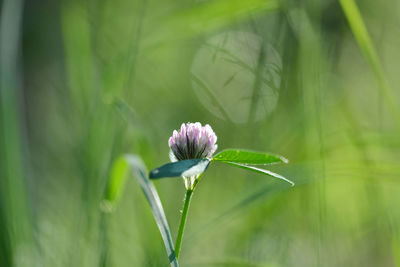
<point>83,82</point>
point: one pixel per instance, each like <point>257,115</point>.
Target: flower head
<point>193,141</point>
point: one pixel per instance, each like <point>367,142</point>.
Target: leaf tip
<point>153,173</point>
<point>284,160</point>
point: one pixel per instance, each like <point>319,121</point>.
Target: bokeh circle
<point>232,81</point>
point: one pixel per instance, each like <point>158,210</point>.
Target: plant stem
<point>182,224</point>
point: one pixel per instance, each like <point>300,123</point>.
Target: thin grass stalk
<point>362,36</point>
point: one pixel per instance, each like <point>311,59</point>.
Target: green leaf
<point>248,157</point>
<point>262,171</point>
<point>117,183</point>
<point>185,168</point>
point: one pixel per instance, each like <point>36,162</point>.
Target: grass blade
<point>17,229</point>
<point>360,32</point>
<point>211,16</point>
<point>139,171</point>
<point>248,157</point>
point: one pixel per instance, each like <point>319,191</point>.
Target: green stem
<point>182,224</point>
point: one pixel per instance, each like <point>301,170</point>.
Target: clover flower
<point>193,141</point>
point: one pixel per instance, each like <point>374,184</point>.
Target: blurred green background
<point>83,82</point>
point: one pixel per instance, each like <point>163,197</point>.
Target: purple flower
<point>193,141</point>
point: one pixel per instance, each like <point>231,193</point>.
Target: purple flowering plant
<point>193,141</point>
<point>192,149</point>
